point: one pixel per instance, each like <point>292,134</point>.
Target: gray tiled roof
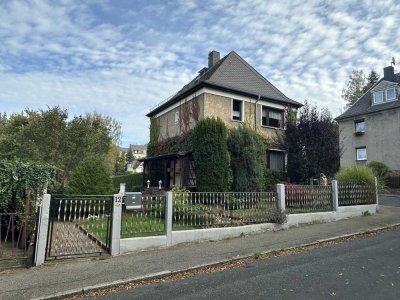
<point>233,73</point>
<point>364,105</point>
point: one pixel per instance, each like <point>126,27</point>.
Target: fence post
<point>116,222</point>
<point>376,193</point>
<point>335,195</point>
<point>280,188</point>
<point>168,218</point>
<point>122,189</point>
<point>42,228</point>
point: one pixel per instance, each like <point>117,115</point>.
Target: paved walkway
<point>58,277</point>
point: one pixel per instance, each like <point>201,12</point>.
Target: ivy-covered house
<point>370,128</point>
<point>228,88</point>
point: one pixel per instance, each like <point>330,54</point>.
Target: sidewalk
<point>59,277</point>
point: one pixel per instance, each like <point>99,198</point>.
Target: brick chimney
<point>213,58</point>
<point>388,73</point>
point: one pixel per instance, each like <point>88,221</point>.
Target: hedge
<point>134,182</point>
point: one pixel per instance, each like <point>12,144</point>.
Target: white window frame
<point>375,93</point>
<point>355,125</point>
<point>357,157</point>
<point>269,108</point>
<point>241,110</point>
<point>394,92</point>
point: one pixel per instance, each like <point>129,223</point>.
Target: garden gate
<point>79,226</point>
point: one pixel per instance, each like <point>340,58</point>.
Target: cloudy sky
<point>122,57</point>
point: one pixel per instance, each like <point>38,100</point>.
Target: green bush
<point>134,182</point>
<point>380,169</point>
<point>247,150</point>
<point>356,173</point>
<point>392,179</point>
<point>90,177</point>
<point>210,154</point>
<point>271,178</point>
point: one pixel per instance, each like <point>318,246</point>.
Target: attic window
<point>390,94</point>
<point>237,110</point>
<point>378,97</point>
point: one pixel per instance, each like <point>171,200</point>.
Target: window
<point>272,117</point>
<point>237,110</point>
<point>361,153</point>
<point>378,97</point>
<point>176,117</point>
<point>390,94</point>
<point>359,126</point>
<point>276,160</point>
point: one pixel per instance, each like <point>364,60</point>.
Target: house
<point>228,88</point>
<point>135,167</point>
<point>370,128</point>
<point>138,151</point>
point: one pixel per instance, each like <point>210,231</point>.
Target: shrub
<point>393,179</point>
<point>210,154</point>
<point>271,178</point>
<point>247,150</point>
<point>356,173</point>
<point>134,182</point>
<point>90,177</point>
<point>380,169</point>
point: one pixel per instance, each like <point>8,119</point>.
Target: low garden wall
<point>195,217</point>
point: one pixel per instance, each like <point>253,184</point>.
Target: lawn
<point>138,224</point>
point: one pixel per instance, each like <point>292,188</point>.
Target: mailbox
<point>133,200</point>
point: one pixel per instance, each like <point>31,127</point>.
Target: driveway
<point>389,200</point>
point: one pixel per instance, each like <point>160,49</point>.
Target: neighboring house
<point>370,128</point>
<point>229,88</point>
<point>138,151</point>
<point>135,167</point>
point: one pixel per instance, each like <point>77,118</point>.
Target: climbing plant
<point>247,150</point>
<point>22,183</point>
<point>210,154</point>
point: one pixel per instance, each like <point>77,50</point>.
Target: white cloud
<point>123,60</point>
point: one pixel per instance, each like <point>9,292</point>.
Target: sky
<point>121,58</point>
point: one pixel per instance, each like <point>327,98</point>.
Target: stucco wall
<point>381,138</point>
<point>170,128</point>
<point>220,106</point>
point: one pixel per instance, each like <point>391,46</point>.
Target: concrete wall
<point>381,138</point>
<point>214,234</point>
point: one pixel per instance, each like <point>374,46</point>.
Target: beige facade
<point>381,139</point>
<point>214,105</point>
<point>172,122</point>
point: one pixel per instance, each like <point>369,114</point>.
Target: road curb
<point>161,274</point>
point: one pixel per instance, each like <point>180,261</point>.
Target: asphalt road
<point>389,200</point>
<point>360,269</point>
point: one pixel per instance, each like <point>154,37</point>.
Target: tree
<point>51,136</point>
<point>358,85</point>
<point>120,164</point>
<point>372,78</point>
<point>312,144</point>
<point>210,154</point>
<point>129,156</point>
<point>247,151</point>
<point>90,177</point>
